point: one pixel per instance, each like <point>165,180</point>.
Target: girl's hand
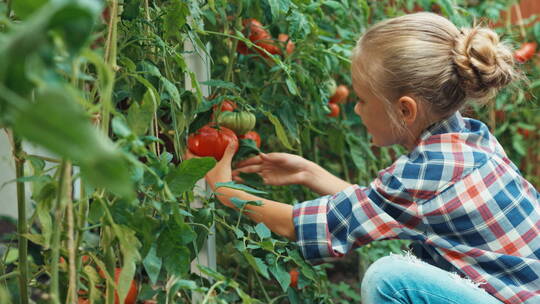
<point>276,169</point>
<point>222,172</point>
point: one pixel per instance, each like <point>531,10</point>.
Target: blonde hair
<point>425,56</point>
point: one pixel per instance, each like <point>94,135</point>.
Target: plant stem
<point>22,227</point>
<point>71,242</point>
<point>10,275</point>
<point>8,11</point>
<point>55,242</point>
<point>262,286</point>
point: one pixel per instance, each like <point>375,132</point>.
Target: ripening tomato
<point>526,52</point>
<point>211,141</point>
<point>289,45</point>
<point>270,46</point>
<point>82,301</point>
<point>253,136</point>
<point>526,133</point>
<point>275,47</point>
<point>226,106</point>
<point>293,273</point>
<point>334,110</point>
<point>239,122</point>
<point>255,30</point>
<point>342,92</point>
<point>131,296</point>
<point>500,115</point>
<point>330,86</point>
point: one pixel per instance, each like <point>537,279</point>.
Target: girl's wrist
<point>311,173</point>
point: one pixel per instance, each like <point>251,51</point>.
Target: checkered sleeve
<point>329,226</point>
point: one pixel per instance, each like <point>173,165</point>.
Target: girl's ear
<point>408,108</point>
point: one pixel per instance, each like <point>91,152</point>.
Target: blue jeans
<point>400,279</point>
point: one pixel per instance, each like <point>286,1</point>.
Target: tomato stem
<point>22,227</point>
<point>55,242</point>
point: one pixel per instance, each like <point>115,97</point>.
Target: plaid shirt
<point>457,196</point>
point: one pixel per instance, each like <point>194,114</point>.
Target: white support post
<point>199,63</point>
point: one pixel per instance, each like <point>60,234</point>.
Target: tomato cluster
<point>213,139</point>
<point>338,96</point>
<point>257,34</point>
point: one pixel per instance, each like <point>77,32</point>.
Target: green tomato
<point>239,122</point>
<point>330,86</point>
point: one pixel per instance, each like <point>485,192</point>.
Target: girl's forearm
<point>275,215</point>
<point>323,182</point>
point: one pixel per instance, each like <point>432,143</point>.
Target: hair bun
<point>484,64</point>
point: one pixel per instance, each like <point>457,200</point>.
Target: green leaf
<point>58,123</point>
<point>240,203</point>
<point>263,231</point>
<point>220,84</point>
<point>184,177</point>
<point>257,264</point>
<point>280,131</point>
<point>129,246</point>
<point>139,117</point>
<point>536,31</point>
<point>175,18</point>
<point>211,273</point>
<point>245,188</point>
<point>171,246</point>
<point>152,264</point>
<point>119,126</point>
<point>281,275</point>
<point>172,90</point>
<point>24,8</point>
<point>278,7</point>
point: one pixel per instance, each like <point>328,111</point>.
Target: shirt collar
<point>452,124</point>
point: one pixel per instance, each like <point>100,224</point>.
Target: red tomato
<point>211,141</point>
<point>106,15</point>
<point>274,47</point>
<point>293,273</point>
<point>526,52</point>
<point>227,106</point>
<point>253,136</point>
<point>242,48</point>
<point>525,132</point>
<point>284,38</point>
<point>342,92</point>
<point>255,29</point>
<point>500,115</point>
<point>270,46</point>
<point>131,296</point>
<point>83,301</point>
<point>334,110</point>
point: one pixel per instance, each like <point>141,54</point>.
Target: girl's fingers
<point>248,169</point>
<point>250,161</point>
<point>229,152</point>
<point>238,179</point>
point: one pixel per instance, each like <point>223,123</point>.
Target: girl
<point>473,219</point>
